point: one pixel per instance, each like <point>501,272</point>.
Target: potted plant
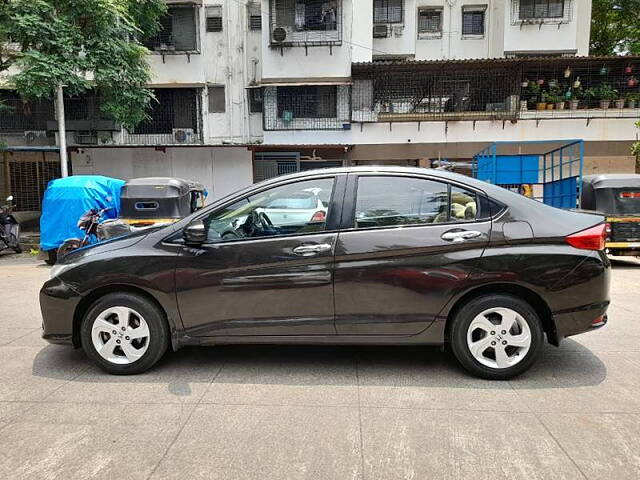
<point>535,96</point>
<point>605,93</point>
<point>547,101</point>
<point>620,103</point>
<point>633,100</point>
<point>575,95</point>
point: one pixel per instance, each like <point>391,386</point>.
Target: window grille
<point>17,115</point>
<point>308,107</point>
<point>214,19</point>
<point>388,11</point>
<point>177,32</point>
<point>216,99</point>
<point>305,22</point>
<point>255,16</point>
<point>473,21</point>
<point>429,22</point>
<point>541,11</point>
<point>255,100</point>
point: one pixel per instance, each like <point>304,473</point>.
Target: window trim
<point>474,9</point>
<point>332,223</point>
<point>429,35</point>
<point>347,223</point>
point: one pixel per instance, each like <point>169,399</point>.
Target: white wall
<point>222,170</point>
<point>610,129</point>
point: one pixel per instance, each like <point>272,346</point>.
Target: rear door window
<point>395,201</point>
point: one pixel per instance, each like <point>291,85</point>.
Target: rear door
<point>407,244</point>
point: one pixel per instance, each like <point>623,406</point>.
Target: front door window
<point>293,209</point>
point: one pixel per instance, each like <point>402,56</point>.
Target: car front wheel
<point>496,336</point>
<point>124,333</point>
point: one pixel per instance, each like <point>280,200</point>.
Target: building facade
<point>252,89</point>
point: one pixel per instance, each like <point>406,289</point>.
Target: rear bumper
<point>581,320</point>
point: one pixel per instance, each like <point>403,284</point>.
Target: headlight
<point>57,269</point>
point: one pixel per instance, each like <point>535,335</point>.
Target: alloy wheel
<point>499,338</point>
<point>120,335</point>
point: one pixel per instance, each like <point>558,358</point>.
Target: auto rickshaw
<point>618,197</point>
<point>159,200</point>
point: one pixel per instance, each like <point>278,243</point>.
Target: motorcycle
<point>9,228</point>
<point>94,231</point>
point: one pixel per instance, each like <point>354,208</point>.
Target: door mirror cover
<point>195,233</point>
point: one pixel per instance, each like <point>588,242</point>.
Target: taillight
<point>629,194</point>
<point>319,216</point>
<point>593,238</point>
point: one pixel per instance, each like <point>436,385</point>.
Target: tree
<point>615,27</point>
<point>81,44</point>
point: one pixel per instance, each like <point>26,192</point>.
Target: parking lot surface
<point>275,412</point>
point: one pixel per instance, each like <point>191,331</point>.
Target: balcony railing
<point>305,22</point>
<point>504,89</point>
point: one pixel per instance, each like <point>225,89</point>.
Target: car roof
<point>613,180</point>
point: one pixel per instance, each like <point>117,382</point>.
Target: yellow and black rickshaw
<point>159,200</point>
<point>618,197</point>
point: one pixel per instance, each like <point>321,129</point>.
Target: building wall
<point>222,170</point>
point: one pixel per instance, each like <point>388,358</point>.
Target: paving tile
<point>79,441</point>
<point>421,444</point>
<point>604,446</point>
<point>291,376</point>
<point>181,377</point>
<point>11,335</point>
<point>423,377</point>
<point>575,382</point>
<point>10,410</point>
<point>263,442</point>
<point>32,373</point>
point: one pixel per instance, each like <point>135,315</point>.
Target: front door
<point>408,244</point>
<point>267,265</point>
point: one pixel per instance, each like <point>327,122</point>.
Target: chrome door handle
<point>460,235</point>
<point>311,249</point>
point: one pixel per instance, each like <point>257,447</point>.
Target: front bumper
<point>58,302</point>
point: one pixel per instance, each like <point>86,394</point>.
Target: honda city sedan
<point>360,255</point>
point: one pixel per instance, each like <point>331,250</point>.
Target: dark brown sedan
<point>342,256</point>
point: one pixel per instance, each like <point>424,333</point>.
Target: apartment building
<point>252,89</point>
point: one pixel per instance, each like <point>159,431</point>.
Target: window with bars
<point>254,14</point>
<point>217,102</point>
<point>429,22</point>
<point>473,21</point>
<point>214,18</point>
<point>174,108</point>
<point>255,100</point>
<point>388,11</point>
<point>305,22</point>
<point>177,31</point>
<point>307,102</point>
<point>533,9</point>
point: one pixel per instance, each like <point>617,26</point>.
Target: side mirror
<point>10,198</point>
<point>195,233</point>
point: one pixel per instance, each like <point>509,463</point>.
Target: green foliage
<point>615,27</point>
<point>604,91</point>
<point>81,44</point>
<point>635,148</point>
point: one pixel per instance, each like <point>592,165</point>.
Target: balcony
<point>306,107</point>
<point>174,119</point>
<point>307,23</point>
<point>501,89</point>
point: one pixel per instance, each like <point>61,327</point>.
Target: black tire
<point>155,319</point>
<point>52,257</point>
<point>468,313</point>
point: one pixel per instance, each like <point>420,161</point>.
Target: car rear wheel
<point>496,336</point>
<point>124,333</point>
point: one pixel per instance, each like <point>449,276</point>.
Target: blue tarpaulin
<point>66,199</point>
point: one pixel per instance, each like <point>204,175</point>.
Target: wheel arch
<point>89,299</point>
<point>532,298</point>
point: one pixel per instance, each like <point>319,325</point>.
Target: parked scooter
<point>94,231</point>
<point>9,228</point>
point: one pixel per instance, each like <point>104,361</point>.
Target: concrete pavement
<point>273,412</point>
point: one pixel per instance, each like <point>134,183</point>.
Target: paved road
<point>245,412</point>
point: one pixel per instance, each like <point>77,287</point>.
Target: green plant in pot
<point>606,93</point>
<point>574,95</point>
<point>633,100</point>
<point>534,95</point>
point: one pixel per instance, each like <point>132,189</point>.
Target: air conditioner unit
<point>31,136</point>
<point>86,137</point>
<point>184,135</point>
<point>380,31</point>
<point>279,35</point>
